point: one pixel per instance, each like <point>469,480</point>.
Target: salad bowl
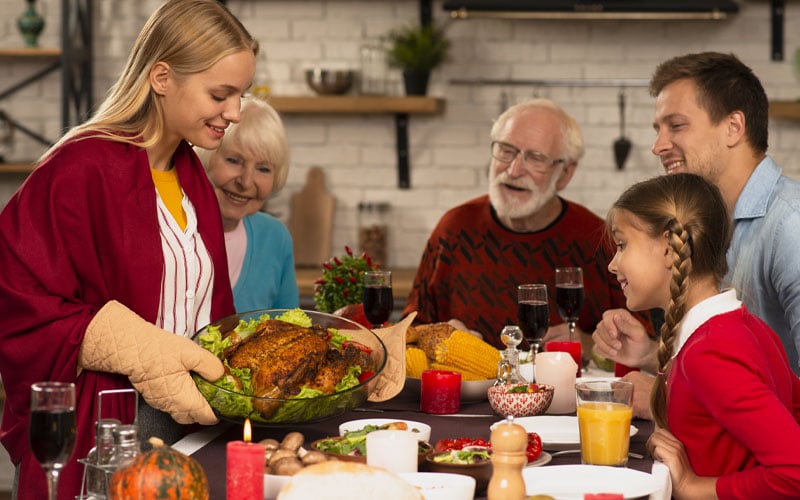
<point>233,397</point>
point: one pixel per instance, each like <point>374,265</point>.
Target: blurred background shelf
<point>357,104</point>
<point>787,110</point>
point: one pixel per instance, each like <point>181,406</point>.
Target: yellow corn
<point>469,353</point>
<point>465,375</point>
<point>416,362</point>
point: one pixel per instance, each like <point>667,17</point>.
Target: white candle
<point>394,450</point>
<point>558,369</point>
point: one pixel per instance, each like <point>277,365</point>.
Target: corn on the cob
<point>467,352</point>
<point>416,362</point>
<point>465,375</point>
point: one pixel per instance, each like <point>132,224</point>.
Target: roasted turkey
<point>283,357</point>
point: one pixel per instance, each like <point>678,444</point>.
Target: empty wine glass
<point>533,314</point>
<point>52,428</point>
<point>378,299</point>
<point>569,295</point>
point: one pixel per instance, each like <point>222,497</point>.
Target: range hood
<point>592,9</point>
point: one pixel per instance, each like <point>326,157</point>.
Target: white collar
<point>713,306</point>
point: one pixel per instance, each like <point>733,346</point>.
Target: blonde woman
<point>113,251</point>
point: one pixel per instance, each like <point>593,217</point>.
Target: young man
<point>712,119</point>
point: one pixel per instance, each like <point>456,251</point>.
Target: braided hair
<point>692,212</point>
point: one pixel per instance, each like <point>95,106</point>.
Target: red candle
<point>245,468</point>
<point>440,391</point>
<point>573,347</point>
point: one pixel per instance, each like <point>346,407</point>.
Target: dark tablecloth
<point>404,406</point>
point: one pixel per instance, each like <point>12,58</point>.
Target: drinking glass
<point>569,295</point>
<point>52,428</point>
<point>533,314</point>
<point>378,299</point>
<point>604,410</point>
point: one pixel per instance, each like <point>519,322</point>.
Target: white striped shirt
<point>187,282</point>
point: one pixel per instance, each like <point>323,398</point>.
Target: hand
<point>665,447</point>
<point>622,338</point>
<point>642,388</point>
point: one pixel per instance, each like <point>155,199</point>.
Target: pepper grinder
<point>508,366</point>
<point>508,458</point>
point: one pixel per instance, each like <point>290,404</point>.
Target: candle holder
<point>31,25</point>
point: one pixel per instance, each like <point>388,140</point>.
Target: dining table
<point>473,419</point>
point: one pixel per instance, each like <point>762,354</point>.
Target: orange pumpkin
<point>161,473</point>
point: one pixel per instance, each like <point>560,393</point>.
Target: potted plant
<point>417,50</point>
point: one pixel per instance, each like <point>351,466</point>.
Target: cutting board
<point>311,221</point>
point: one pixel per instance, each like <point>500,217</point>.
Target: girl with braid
<point>726,402</point>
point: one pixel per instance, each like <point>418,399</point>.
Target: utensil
<point>622,146</point>
<point>330,81</point>
<point>577,450</point>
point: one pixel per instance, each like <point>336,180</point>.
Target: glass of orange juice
<point>605,408</point>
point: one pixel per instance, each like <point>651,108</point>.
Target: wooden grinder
<point>508,458</point>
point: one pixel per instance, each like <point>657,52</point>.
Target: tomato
<point>361,347</point>
<point>365,375</point>
<point>534,448</point>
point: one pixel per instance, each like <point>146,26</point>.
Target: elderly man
<point>711,119</point>
<point>519,233</point>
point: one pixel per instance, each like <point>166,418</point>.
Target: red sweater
<point>472,265</point>
<point>734,402</point>
<point>82,230</point>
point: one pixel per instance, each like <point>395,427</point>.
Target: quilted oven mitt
<point>156,362</point>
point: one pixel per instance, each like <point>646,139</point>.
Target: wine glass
<point>533,314</point>
<point>52,428</point>
<point>569,295</point>
<point>378,299</point>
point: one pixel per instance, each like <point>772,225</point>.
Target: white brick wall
<point>449,153</point>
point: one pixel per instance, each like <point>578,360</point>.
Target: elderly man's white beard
<point>511,208</point>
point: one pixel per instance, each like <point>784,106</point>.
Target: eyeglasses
<point>532,159</point>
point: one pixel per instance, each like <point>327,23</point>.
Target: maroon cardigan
<point>82,230</point>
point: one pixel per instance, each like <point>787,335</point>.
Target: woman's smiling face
<point>642,263</point>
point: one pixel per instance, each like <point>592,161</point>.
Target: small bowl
<point>425,450</point>
<point>330,81</point>
<point>481,472</point>
<point>421,430</point>
<point>520,404</point>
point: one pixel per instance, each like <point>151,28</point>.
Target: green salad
<point>231,396</point>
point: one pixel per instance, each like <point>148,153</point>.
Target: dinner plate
<point>571,482</point>
<point>543,459</point>
<point>558,432</point>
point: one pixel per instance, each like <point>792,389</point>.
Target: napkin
<point>391,380</point>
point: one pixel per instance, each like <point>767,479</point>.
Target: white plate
<point>544,459</point>
<point>423,431</point>
<point>442,486</point>
<point>273,485</point>
<point>571,482</point>
<point>557,432</point>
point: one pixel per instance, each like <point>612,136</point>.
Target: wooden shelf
<point>357,105</point>
<point>30,52</point>
<point>786,110</point>
<point>16,168</point>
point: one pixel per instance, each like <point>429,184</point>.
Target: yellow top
<point>169,188</point>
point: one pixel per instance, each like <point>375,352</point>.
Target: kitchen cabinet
<point>400,107</point>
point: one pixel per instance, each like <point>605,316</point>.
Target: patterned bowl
<point>521,404</point>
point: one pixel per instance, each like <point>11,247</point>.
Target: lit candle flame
<point>248,433</point>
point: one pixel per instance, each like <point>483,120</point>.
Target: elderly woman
<point>252,163</point>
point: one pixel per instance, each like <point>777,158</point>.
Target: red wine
<point>570,300</point>
<point>378,303</point>
<point>533,316</point>
<point>52,436</point>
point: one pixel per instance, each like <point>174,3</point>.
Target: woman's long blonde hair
<point>693,213</point>
<point>190,36</point>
